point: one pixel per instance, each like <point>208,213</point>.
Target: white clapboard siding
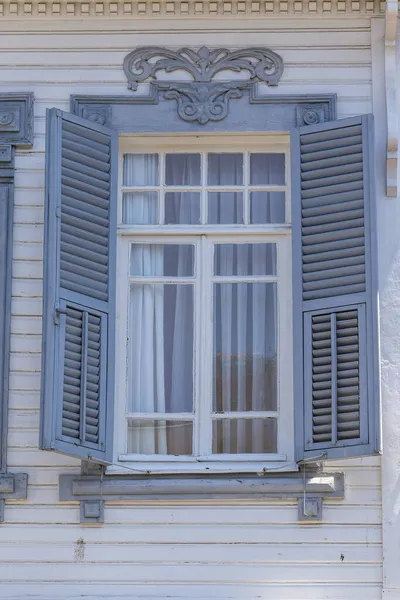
<point>183,591</point>
<point>227,554</point>
<point>198,550</point>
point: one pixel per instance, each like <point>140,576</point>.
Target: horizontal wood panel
<point>196,590</point>
<point>23,399</point>
<point>192,533</point>
<point>26,325</point>
<point>25,343</point>
<point>230,514</point>
<point>27,288</point>
<point>89,39</point>
<point>27,269</point>
<point>163,573</point>
<point>24,381</point>
<point>194,553</point>
<point>23,438</point>
<point>27,233</point>
<point>27,250</point>
<point>29,178</point>
<point>31,307</point>
<point>72,57</point>
<point>29,214</point>
<point>25,362</point>
<point>38,458</point>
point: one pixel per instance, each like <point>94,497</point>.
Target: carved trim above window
<point>206,97</point>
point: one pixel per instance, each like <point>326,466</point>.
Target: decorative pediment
<point>205,97</point>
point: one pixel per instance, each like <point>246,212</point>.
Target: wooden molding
<point>10,9</point>
<point>308,487</point>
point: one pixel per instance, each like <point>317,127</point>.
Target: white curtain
<point>160,326</point>
<point>245,315</point>
<point>140,208</point>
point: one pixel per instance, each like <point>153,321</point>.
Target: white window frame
<point>204,236</point>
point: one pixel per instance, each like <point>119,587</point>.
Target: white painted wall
<point>253,549</point>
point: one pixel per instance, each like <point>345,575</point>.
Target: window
<point>204,301</point>
<point>201,234</point>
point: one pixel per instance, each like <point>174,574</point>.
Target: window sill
<point>197,466</point>
<point>308,487</point>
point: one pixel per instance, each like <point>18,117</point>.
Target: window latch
<point>57,312</point>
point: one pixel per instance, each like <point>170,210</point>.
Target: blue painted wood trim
<point>153,114</point>
<point>16,131</point>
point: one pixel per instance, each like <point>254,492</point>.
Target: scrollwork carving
<point>203,99</point>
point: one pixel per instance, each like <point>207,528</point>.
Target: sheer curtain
<point>245,337</point>
<point>161,318</point>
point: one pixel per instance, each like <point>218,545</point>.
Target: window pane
<point>169,260</point>
<point>140,208</point>
<point>245,347</point>
<point>182,208</point>
<point>225,169</point>
<point>160,350</point>
<point>244,436</point>
<point>267,207</point>
<point>140,169</point>
<point>267,169</point>
<point>225,207</point>
<point>245,259</point>
<point>182,169</point>
<point>160,437</point>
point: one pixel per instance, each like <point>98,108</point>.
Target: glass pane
<point>267,207</point>
<point>160,350</point>
<point>170,260</point>
<point>140,169</point>
<point>267,169</point>
<point>140,208</point>
<point>225,169</point>
<point>160,437</point>
<point>225,207</point>
<point>244,436</point>
<point>182,169</point>
<point>182,208</point>
<point>245,347</point>
<point>245,259</point>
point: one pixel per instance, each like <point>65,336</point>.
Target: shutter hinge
<point>57,312</point>
<point>58,212</point>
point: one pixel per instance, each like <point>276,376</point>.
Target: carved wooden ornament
<point>206,96</point>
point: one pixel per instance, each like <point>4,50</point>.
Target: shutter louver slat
<point>335,300</point>
<point>80,315</point>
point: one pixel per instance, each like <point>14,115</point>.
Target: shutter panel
<point>79,288</point>
<point>336,375</point>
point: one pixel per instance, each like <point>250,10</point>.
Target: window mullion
<point>204,400</point>
<point>161,194</point>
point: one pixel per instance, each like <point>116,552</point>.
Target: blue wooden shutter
<point>79,288</point>
<point>336,363</point>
